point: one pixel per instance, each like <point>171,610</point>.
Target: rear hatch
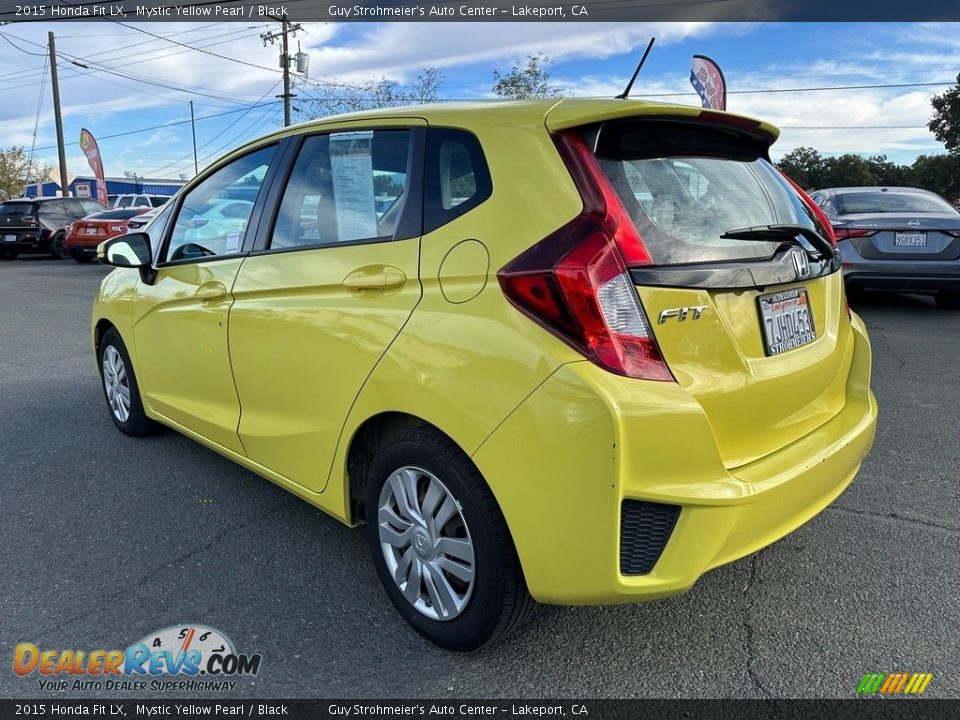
<point>884,224</point>
<point>18,215</point>
<point>754,328</point>
<point>643,282</point>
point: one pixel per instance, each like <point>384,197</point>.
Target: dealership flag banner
<point>707,80</point>
<point>90,148</point>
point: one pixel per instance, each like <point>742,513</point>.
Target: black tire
<point>9,255</point>
<point>58,248</point>
<point>854,293</point>
<point>498,601</point>
<point>137,424</point>
<point>948,299</point>
<point>82,258</point>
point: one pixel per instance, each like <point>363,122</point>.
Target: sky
<point>146,104</point>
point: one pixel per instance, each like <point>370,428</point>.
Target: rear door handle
<point>212,290</point>
<point>387,278</point>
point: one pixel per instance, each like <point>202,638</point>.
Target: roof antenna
<point>625,93</point>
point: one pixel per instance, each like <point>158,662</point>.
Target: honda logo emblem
<point>801,264</point>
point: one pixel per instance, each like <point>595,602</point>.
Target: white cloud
<point>395,50</point>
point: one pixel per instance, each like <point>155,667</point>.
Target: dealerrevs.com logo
<point>179,658</point>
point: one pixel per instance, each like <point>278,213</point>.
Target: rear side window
<point>457,178</point>
<point>345,187</point>
<point>685,187</point>
<point>90,206</point>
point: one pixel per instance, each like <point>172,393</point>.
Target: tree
<point>887,173</point>
<point>336,98</point>
<point>530,81</point>
<point>945,123</point>
<point>17,171</point>
<point>847,170</point>
<point>939,174</point>
<point>805,167</point>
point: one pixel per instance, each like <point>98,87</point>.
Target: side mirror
<point>130,251</point>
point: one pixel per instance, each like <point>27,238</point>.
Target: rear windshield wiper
<point>783,232</point>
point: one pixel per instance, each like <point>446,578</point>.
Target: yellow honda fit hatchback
<point>576,351</point>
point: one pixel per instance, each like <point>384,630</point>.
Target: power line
<point>221,133</point>
<point>808,89</point>
<point>163,125</point>
<point>36,122</point>
<point>97,67</point>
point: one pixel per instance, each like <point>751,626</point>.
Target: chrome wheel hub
<point>426,543</point>
<point>116,384</point>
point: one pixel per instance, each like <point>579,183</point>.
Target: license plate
<point>9,238</point>
<point>910,239</point>
<point>91,231</point>
<point>786,320</point>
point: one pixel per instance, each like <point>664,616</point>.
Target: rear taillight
<point>843,233</point>
<point>814,208</point>
<point>954,233</point>
<point>28,220</point>
<point>576,284</point>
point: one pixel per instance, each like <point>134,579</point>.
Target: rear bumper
<point>26,242</point>
<point>901,275</point>
<point>85,250</point>
<point>609,440</point>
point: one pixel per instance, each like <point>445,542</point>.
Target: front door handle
<point>386,278</point>
<point>212,290</point>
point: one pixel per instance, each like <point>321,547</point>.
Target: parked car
<point>83,236</point>
<point>38,225</point>
<point>215,224</point>
<point>140,221</point>
<point>896,238</point>
<point>550,391</point>
<point>135,200</point>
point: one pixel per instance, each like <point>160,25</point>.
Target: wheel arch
<point>100,329</point>
<point>366,440</point>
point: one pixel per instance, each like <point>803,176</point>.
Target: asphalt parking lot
<point>104,539</point>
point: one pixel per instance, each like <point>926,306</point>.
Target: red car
<point>83,236</point>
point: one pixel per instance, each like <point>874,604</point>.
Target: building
<point>86,186</point>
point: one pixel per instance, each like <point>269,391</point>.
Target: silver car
<point>896,238</point>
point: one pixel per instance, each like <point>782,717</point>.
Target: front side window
<point>210,222</point>
<point>344,187</point>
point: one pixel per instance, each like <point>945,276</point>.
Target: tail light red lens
<point>29,220</point>
<point>954,233</point>
<point>576,284</point>
<point>843,233</point>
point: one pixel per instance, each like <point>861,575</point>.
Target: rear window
<point>18,208</point>
<point>685,187</point>
<point>880,201</point>
<point>124,214</point>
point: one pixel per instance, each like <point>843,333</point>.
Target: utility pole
<point>286,30</point>
<point>61,149</point>
<point>193,126</point>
